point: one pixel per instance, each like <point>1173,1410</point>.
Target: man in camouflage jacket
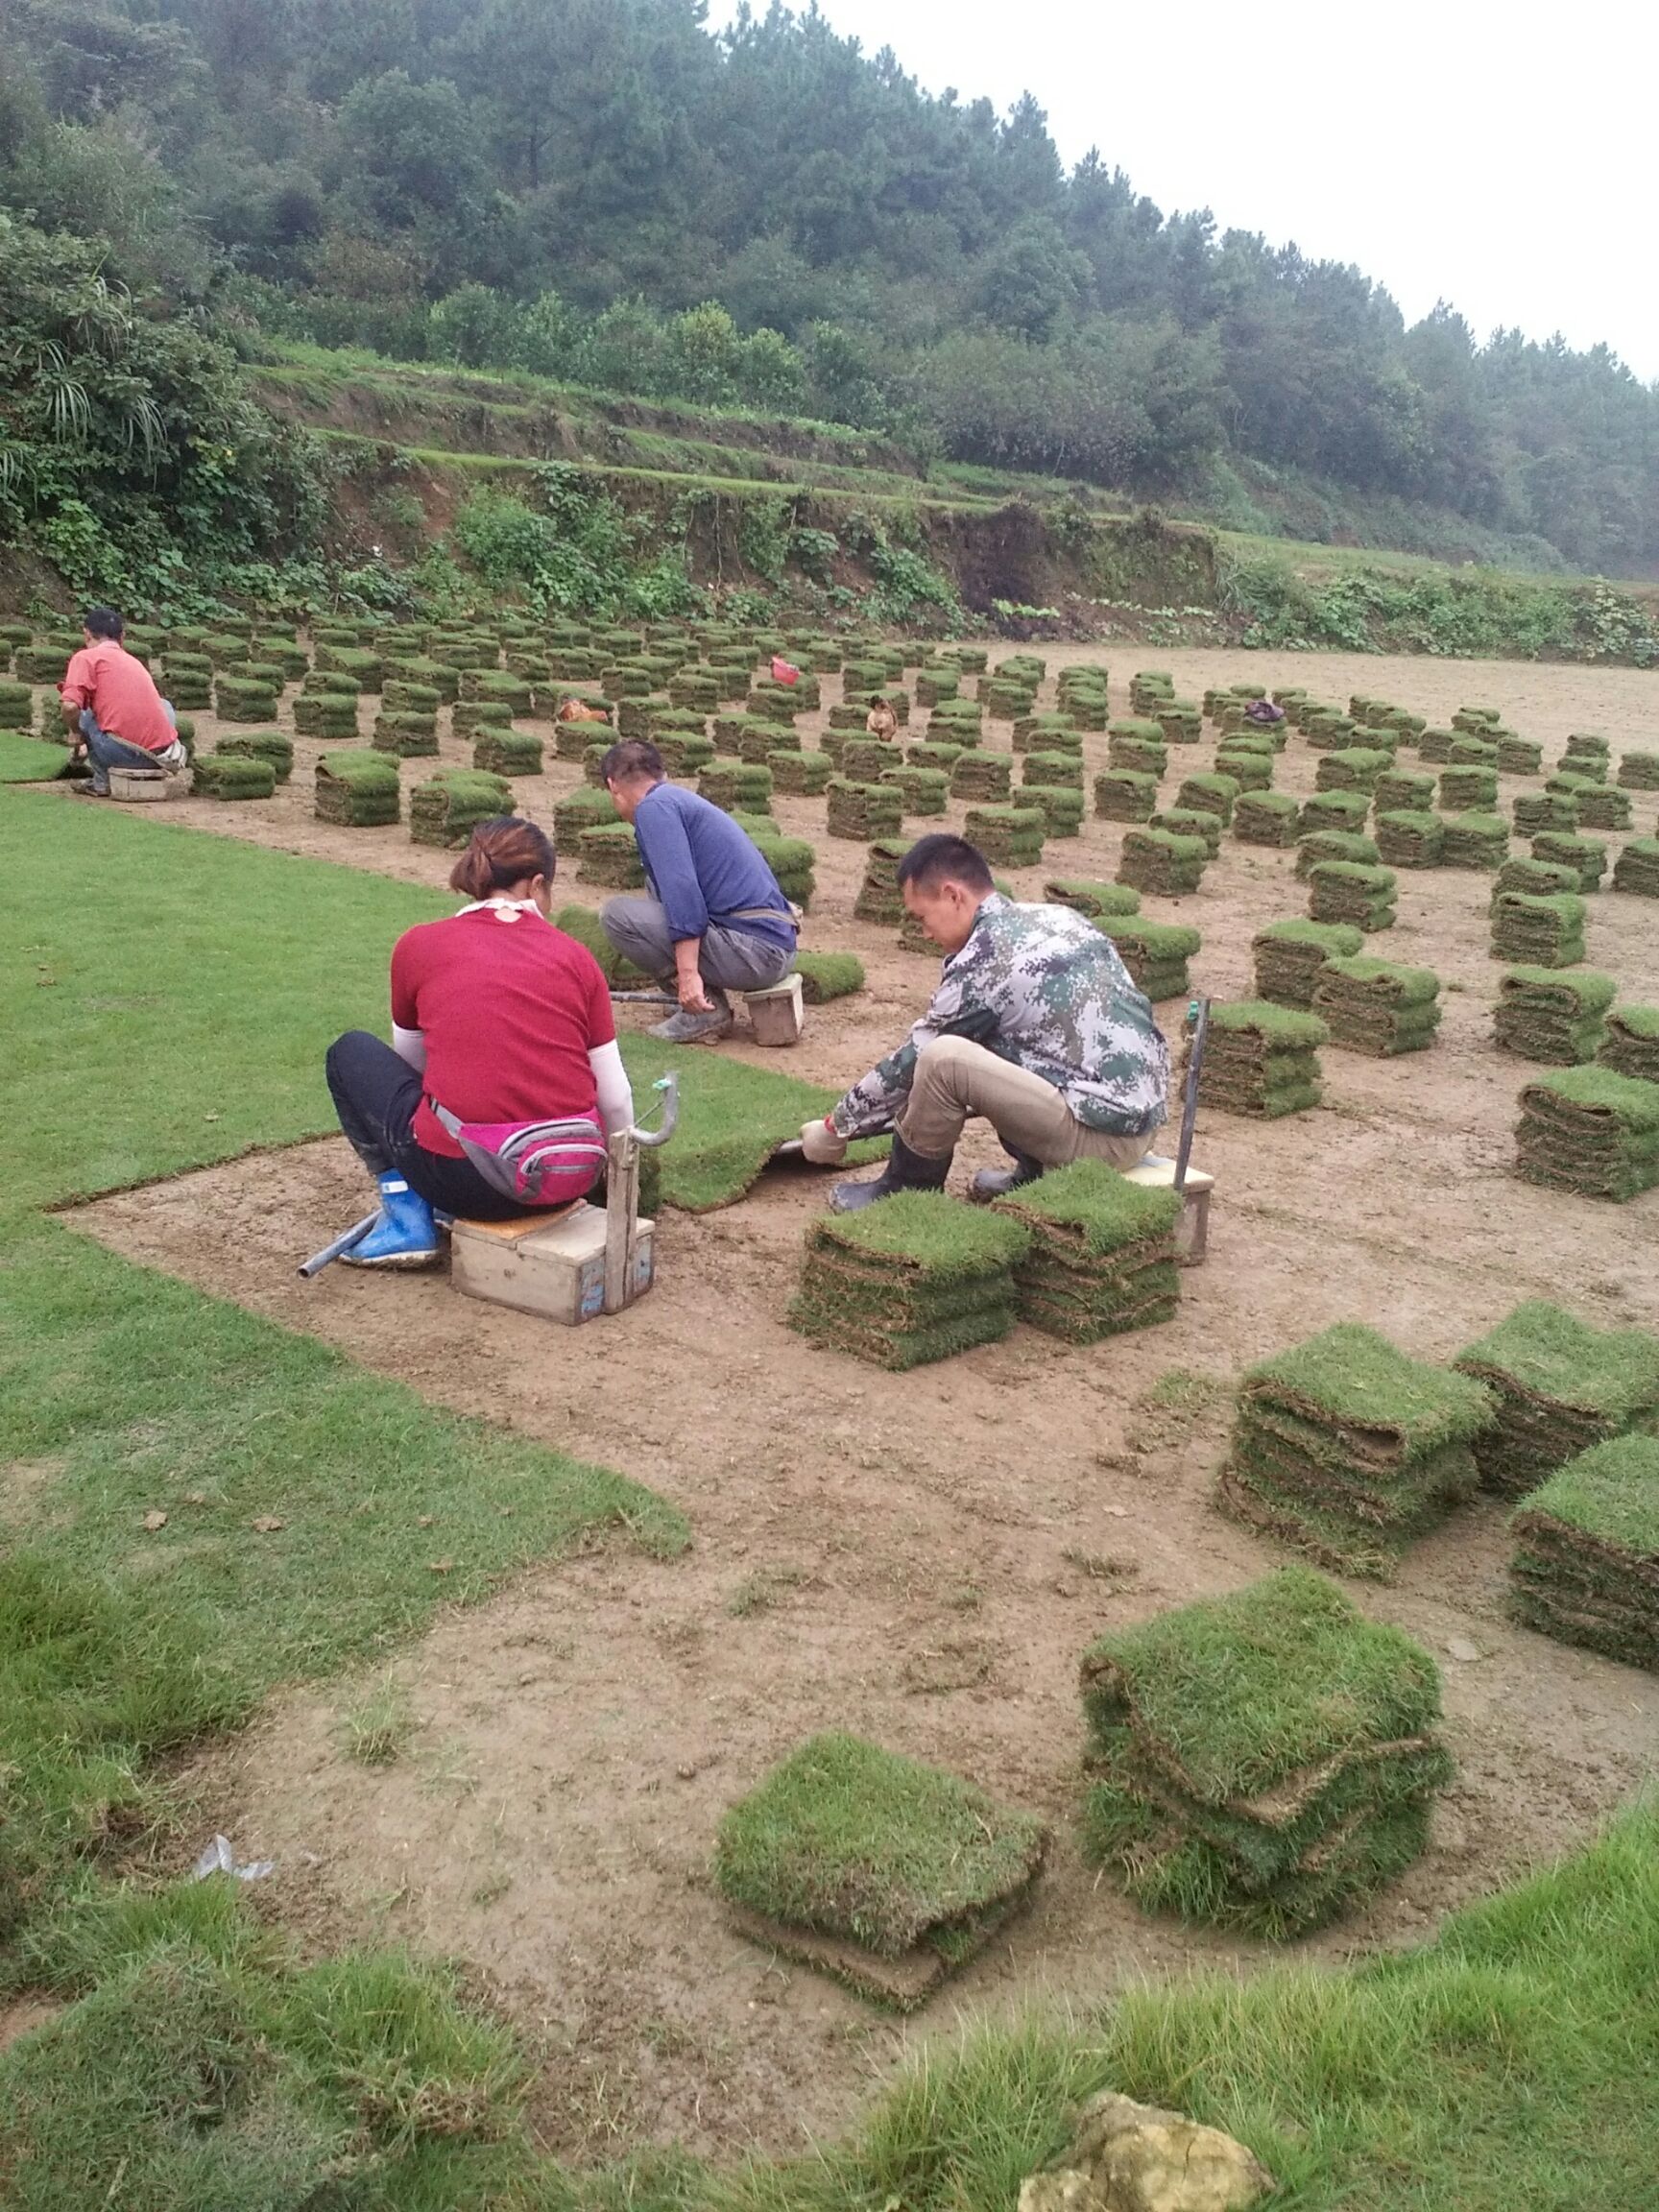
<point>1036,1025</point>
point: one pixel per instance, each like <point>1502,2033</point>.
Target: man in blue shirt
<point>715,919</point>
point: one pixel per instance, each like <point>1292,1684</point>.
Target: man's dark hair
<point>942,858</point>
<point>633,757</point>
<point>104,622</point>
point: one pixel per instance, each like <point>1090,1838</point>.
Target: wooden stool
<point>1192,1234</point>
<point>552,1265</point>
<point>776,1015</point>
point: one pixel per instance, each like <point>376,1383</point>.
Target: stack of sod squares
<point>1637,868</point>
<point>1408,839</point>
<point>1561,1386</point>
<point>360,791</point>
<point>1542,933</point>
<point>879,898</point>
<point>860,812</point>
<point>443,810</point>
<point>1475,841</point>
<point>1554,1015</point>
<point>916,1279</point>
<point>1348,1449</point>
<point>1155,953</point>
<point>1589,1131</point>
<point>1161,863</point>
<point>1008,836</point>
<point>1092,899</point>
<point>1260,1059</point>
<point>1632,1044</point>
<point>1102,1252</point>
<point>1261,1760</point>
<point>1289,955</point>
<point>1341,891</point>
<point>1585,1567</point>
<point>609,858</point>
<point>884,1873</point>
<point>1375,1007</point>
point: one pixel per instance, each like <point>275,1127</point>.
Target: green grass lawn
<point>25,760</point>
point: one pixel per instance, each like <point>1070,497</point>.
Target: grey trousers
<point>732,959</point>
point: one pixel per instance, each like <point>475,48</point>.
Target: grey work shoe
<point>688,1028</point>
<point>86,788</point>
<point>996,1182</point>
<point>905,1170</point>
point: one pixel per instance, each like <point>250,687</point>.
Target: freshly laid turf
<point>1262,1760</point>
<point>1632,1044</point>
<point>1590,1131</point>
<point>827,975</point>
<point>1376,1007</point>
<point>881,1871</point>
<point>1349,1449</point>
<point>583,924</point>
<point>1289,954</point>
<point>1553,1015</point>
<point>1102,1252</point>
<point>27,759</point>
<point>1260,1059</point>
<point>915,1279</point>
<point>1586,1562</point>
<point>1560,1386</point>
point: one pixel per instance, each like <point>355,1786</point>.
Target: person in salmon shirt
<point>115,715</point>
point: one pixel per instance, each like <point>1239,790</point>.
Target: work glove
<point>823,1143</point>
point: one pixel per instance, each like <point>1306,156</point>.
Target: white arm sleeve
<point>615,1093</point>
<point>409,1045</point>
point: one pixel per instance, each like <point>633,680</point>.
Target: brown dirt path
<point>919,1558</point>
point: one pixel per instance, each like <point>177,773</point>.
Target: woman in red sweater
<point>500,1023</point>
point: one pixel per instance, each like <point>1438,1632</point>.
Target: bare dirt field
<point>920,1558</point>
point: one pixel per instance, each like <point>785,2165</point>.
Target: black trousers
<point>376,1095</point>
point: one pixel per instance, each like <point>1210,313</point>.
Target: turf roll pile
<point>1261,1761</point>
<point>1352,768</point>
<point>1601,808</point>
<point>1519,755</point>
<point>1546,932</point>
<point>1341,891</point>
<point>608,855</point>
<point>791,860</point>
<point>1587,855</point>
<point>1375,1007</point>
<point>1402,791</point>
<point>233,775</point>
<point>883,1873</point>
<point>1102,1253</point>
<point>1637,868</point>
<point>860,812</point>
<point>1155,953</point>
<point>1537,878</point>
<point>1560,1386</point>
<point>1590,1131</point>
<point>1160,862</point>
<point>916,1279</point>
<point>1125,795</point>
<point>981,776</point>
<point>1639,771</point>
<point>1289,955</point>
<point>1632,1044</point>
<point>1260,1059</point>
<point>827,975</point>
<point>325,713</point>
<point>1535,811</point>
<point>358,790</point>
<point>1092,899</point>
<point>443,810</point>
<point>1407,838</point>
<point>1206,794</point>
<point>1336,811</point>
<point>800,775</point>
<point>1008,836</point>
<point>1315,847</point>
<point>1557,1015</point>
<point>1585,1568</point>
<point>1348,1449</point>
<point>879,898</point>
<point>1476,841</point>
<point>1266,818</point>
<point>1190,822</point>
<point>260,745</point>
<point>1060,804</point>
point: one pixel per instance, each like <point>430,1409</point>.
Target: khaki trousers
<point>955,1079</point>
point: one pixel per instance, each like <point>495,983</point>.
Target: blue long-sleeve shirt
<point>702,868</point>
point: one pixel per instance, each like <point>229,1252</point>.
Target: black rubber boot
<point>996,1182</point>
<point>905,1170</point>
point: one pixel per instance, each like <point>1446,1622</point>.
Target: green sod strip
<point>27,759</point>
<point>1586,1564</point>
<point>1561,1386</point>
<point>886,1855</point>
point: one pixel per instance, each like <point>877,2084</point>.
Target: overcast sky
<point>1500,157</point>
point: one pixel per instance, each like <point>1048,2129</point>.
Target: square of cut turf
<point>1553,1015</point>
<point>1585,1568</point>
<point>883,1872</point>
<point>1262,1759</point>
<point>1632,1044</point>
<point>1561,1386</point>
<point>1377,1007</point>
<point>1348,1449</point>
<point>1289,955</point>
<point>1102,1253</point>
<point>918,1278</point>
<point>1590,1131</point>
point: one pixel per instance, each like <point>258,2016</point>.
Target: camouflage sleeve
<point>873,1101</point>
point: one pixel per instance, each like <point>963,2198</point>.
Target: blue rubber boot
<point>405,1236</point>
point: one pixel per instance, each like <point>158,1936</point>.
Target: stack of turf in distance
<point>1553,1015</point>
<point>877,1870</point>
<point>1290,954</point>
<point>1637,868</point>
<point>1591,1132</point>
<point>1341,891</point>
<point>1585,1567</point>
<point>358,789</point>
<point>1348,1449</point>
<point>1260,1059</point>
<point>445,809</point>
<point>1546,932</point>
<point>916,1279</point>
<point>1261,1761</point>
<point>1631,1047</point>
<point>1102,1253</point>
<point>1155,953</point>
<point>1161,863</point>
<point>1560,1386</point>
<point>1375,1007</point>
<point>879,898</point>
